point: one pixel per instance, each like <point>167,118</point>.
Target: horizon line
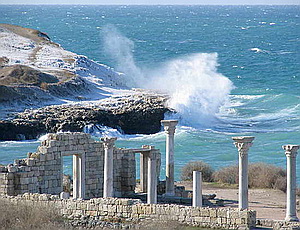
<point>75,4</point>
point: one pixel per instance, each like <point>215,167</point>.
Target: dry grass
<point>187,170</point>
<point>29,217</point>
<point>227,175</point>
<point>163,225</point>
<point>261,175</point>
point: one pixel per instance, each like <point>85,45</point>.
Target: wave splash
<point>197,91</point>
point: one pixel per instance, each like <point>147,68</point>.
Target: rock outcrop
<point>133,114</point>
<point>63,91</point>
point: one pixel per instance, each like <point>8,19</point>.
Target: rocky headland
<point>135,114</point>
<point>44,88</point>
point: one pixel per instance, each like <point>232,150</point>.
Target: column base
<point>292,218</point>
<point>169,194</point>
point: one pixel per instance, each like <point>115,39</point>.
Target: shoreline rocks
<point>133,114</point>
<point>37,72</point>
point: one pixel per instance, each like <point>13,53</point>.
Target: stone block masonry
<point>117,210</point>
<point>42,171</point>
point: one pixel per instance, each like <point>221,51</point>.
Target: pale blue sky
<point>156,2</point>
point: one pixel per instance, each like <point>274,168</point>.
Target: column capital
<point>169,125</point>
<point>243,143</point>
<point>291,150</point>
<point>148,147</point>
<point>108,142</point>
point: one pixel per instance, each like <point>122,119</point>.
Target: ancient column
<point>197,189</point>
<point>152,178</point>
<point>78,176</point>
<point>243,144</point>
<point>291,154</point>
<point>170,126</point>
<point>64,195</point>
<point>144,155</point>
<point>108,143</point>
<point>144,171</point>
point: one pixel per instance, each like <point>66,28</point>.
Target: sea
<point>230,71</point>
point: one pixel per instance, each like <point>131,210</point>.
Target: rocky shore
<point>46,89</point>
<point>132,114</point>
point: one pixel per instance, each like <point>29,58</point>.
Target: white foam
<point>258,50</point>
<point>102,131</point>
<point>43,137</point>
<point>197,90</point>
<point>247,97</point>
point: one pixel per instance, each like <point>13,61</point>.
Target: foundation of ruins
<point>108,175</point>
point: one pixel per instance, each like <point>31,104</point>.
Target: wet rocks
<point>133,114</point>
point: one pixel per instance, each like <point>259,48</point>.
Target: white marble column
<point>152,178</point>
<point>78,176</point>
<point>197,189</point>
<point>144,171</point>
<point>169,127</point>
<point>243,144</point>
<point>291,154</point>
<point>108,143</point>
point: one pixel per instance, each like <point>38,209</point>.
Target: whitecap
<point>247,97</point>
<point>257,50</point>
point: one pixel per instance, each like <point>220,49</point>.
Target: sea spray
<point>120,48</point>
<point>196,89</point>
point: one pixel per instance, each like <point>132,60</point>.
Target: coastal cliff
<point>44,88</point>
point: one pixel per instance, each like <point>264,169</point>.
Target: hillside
<point>36,72</point>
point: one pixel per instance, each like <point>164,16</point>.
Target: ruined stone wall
<point>83,212</point>
<point>6,182</point>
<point>124,172</point>
<point>278,224</point>
<point>41,172</point>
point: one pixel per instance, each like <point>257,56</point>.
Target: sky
<point>155,2</point>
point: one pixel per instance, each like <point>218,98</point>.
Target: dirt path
<point>268,203</point>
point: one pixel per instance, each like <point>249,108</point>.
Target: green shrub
<point>187,170</point>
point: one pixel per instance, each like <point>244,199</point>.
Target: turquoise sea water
<point>257,48</point>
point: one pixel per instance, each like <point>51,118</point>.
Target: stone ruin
<point>102,170</point>
<point>42,171</point>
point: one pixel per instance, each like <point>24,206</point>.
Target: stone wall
<point>42,171</point>
<point>6,181</point>
<point>95,211</point>
<point>278,224</point>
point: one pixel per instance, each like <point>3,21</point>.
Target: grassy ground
<point>44,217</point>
